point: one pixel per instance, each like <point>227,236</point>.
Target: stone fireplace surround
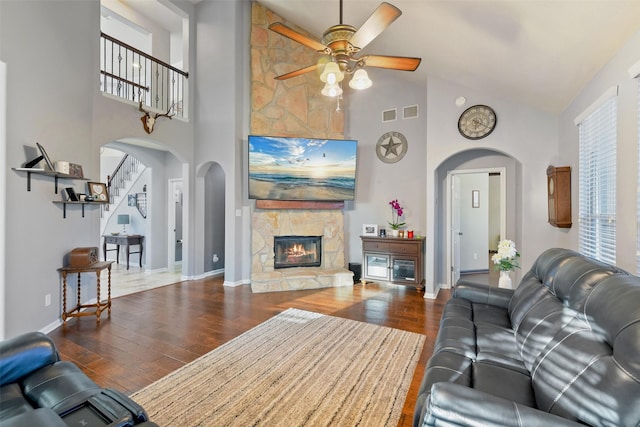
<point>326,223</point>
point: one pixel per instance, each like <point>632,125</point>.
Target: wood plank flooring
<point>154,332</point>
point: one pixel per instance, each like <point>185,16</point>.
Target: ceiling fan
<point>343,42</point>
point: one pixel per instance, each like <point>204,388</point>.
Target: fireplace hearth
<point>297,251</point>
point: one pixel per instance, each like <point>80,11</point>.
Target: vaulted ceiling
<point>536,52</point>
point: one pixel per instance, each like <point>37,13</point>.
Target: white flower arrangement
<point>507,258</point>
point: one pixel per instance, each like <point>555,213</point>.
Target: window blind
<point>597,181</point>
<point>638,188</point>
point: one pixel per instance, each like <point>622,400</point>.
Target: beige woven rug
<point>296,369</point>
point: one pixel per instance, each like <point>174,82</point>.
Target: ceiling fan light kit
<point>360,80</point>
<point>342,42</point>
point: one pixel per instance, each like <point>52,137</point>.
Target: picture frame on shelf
<point>370,230</point>
<point>45,156</point>
<point>98,191</point>
<point>70,194</point>
<point>131,200</point>
<point>75,170</point>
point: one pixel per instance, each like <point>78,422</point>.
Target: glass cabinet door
<point>376,266</point>
<point>404,269</point>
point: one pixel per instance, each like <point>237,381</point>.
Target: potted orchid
<point>506,259</point>
<point>396,214</point>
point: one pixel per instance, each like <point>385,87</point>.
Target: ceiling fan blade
<point>401,63</point>
<point>379,20</point>
<point>297,72</point>
<point>283,30</point>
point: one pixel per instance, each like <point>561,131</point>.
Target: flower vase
<point>505,280</point>
<point>395,233</point>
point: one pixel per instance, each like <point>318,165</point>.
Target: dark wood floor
<point>152,333</point>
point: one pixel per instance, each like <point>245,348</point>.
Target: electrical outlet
<point>475,256</point>
<point>215,258</point>
<point>47,300</point>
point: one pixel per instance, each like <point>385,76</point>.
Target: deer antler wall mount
<point>149,121</point>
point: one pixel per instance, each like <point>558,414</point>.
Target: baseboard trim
<point>434,295</point>
<point>238,283</point>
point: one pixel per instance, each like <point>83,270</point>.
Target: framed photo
<point>75,170</point>
<point>99,192</point>
<point>47,160</point>
<point>71,194</point>
<point>475,198</point>
<point>370,229</point>
<point>131,200</point>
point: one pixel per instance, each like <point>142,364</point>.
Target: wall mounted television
<point>291,168</point>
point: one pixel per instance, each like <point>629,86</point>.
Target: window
<point>638,189</point>
<point>597,180</point>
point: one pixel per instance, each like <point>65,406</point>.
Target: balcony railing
<point>131,74</point>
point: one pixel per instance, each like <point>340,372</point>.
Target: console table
<point>123,239</point>
<point>396,260</point>
<point>98,306</point>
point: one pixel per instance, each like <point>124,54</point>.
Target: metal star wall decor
<point>391,147</point>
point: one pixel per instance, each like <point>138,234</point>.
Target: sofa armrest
<point>454,404</point>
<point>24,354</point>
<point>482,293</point>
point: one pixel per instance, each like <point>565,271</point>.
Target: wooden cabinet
<point>396,260</point>
<point>559,196</point>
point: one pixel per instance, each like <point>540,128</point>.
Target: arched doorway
<point>159,167</point>
<point>476,161</point>
<point>210,203</point>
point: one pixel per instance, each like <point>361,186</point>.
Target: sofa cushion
<point>503,382</point>
<point>59,386</point>
<point>601,383</point>
<point>12,401</point>
<point>457,336</point>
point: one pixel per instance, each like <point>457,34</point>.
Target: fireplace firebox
<point>297,251</point>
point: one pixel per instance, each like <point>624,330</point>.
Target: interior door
<point>174,224</point>
<point>456,233</point>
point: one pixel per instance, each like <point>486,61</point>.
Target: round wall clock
<point>391,147</point>
<point>477,122</point>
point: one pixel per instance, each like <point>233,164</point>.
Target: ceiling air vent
<point>389,115</point>
<point>410,112</point>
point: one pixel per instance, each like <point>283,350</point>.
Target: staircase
<point>121,177</point>
<point>119,183</point>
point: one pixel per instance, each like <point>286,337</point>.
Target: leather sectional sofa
<point>562,349</point>
<point>38,389</point>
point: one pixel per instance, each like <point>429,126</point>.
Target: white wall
<point>527,135</point>
<point>614,73</point>
<point>62,109</point>
<point>378,183</point>
<point>3,200</point>
<point>221,119</point>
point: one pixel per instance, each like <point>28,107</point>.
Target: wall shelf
<point>57,176</point>
<point>54,174</point>
<point>64,204</point>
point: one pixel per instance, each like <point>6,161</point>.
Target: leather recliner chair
<point>38,389</point>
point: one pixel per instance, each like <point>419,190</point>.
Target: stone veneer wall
<point>269,223</point>
<point>293,107</point>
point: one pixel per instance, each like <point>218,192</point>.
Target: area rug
<point>298,368</point>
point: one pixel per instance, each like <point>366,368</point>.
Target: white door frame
<point>449,212</point>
